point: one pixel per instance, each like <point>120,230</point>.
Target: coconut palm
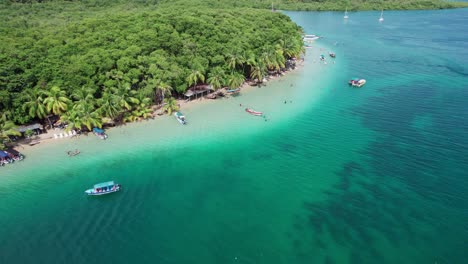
<point>7,128</point>
<point>34,104</point>
<point>82,115</point>
<point>217,78</point>
<point>149,88</point>
<point>269,58</point>
<point>108,106</point>
<point>83,96</point>
<point>165,89</point>
<point>56,100</point>
<point>194,77</point>
<point>140,110</point>
<point>125,96</point>
<point>258,71</point>
<point>280,58</point>
<point>235,79</point>
<point>154,87</point>
<point>235,59</point>
<point>170,105</point>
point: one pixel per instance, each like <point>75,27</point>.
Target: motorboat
<point>310,37</point>
<point>180,117</point>
<point>333,55</point>
<point>322,57</point>
<point>233,91</point>
<point>99,133</point>
<point>104,188</point>
<point>356,82</point>
<point>72,153</point>
<point>253,112</point>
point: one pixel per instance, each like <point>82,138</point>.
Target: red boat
<point>252,112</point>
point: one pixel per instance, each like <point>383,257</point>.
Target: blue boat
<point>99,133</point>
<point>104,188</point>
<point>233,91</point>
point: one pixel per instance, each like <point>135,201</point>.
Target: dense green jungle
<point>93,60</point>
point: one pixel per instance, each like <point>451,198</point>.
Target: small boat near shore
<point>310,37</point>
<point>104,188</point>
<point>333,55</point>
<point>99,133</point>
<point>73,153</point>
<point>10,156</point>
<point>180,117</point>
<point>356,82</point>
<point>233,91</point>
<point>253,112</point>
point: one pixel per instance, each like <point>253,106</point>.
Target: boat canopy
<point>104,184</point>
<point>233,90</point>
<point>3,154</point>
<point>179,114</point>
<point>98,130</point>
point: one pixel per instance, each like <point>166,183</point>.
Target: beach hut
<point>199,90</point>
<point>34,127</point>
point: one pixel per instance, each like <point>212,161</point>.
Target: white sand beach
<point>208,119</point>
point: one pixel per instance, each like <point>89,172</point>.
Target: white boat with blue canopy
<point>99,133</point>
<point>180,117</point>
<point>104,188</point>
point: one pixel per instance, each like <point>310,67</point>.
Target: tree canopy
<point>84,61</point>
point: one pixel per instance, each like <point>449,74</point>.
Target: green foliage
<point>7,128</point>
<point>95,59</point>
<point>170,105</point>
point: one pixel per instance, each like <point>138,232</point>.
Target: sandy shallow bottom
<point>208,120</point>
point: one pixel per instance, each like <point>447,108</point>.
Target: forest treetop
<point>86,63</point>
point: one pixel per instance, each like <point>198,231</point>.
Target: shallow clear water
<point>338,175</point>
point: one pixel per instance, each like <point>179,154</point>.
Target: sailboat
<point>346,14</point>
<point>381,16</point>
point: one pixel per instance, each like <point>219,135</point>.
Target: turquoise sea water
<point>336,175</point>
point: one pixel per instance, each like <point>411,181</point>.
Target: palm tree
<point>83,96</point>
<point>269,58</point>
<point>280,58</point>
<point>154,87</point>
<point>235,59</point>
<point>258,71</point>
<point>217,78</point>
<point>56,100</point>
<point>7,128</point>
<point>194,77</point>
<point>235,79</point>
<point>164,89</point>
<point>82,115</point>
<point>125,96</point>
<point>108,104</point>
<point>140,110</point>
<point>170,105</point>
<point>35,103</point>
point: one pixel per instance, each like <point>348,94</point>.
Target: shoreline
<point>209,122</point>
<point>40,141</point>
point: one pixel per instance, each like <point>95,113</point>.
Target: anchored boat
<point>233,91</point>
<point>310,37</point>
<point>252,112</point>
<point>356,82</point>
<point>99,133</point>
<point>180,117</point>
<point>103,188</point>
